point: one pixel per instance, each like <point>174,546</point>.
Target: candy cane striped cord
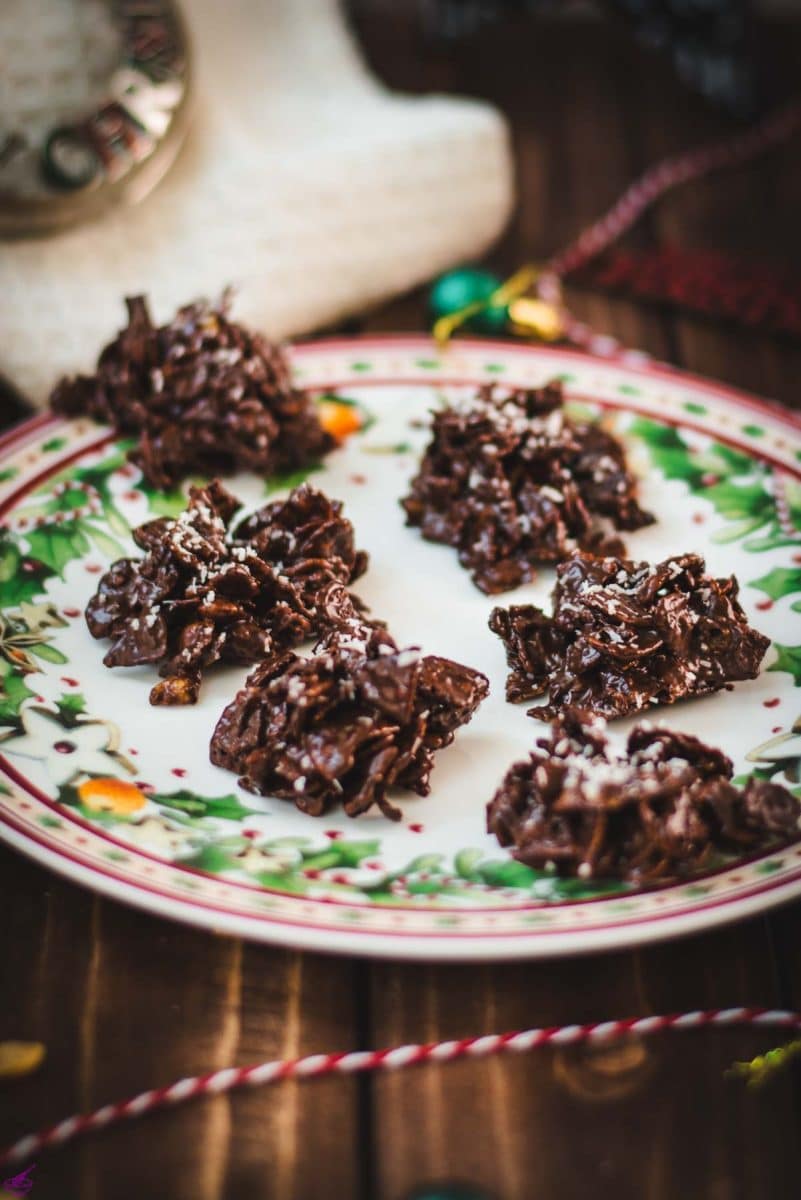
<point>627,210</point>
<point>670,173</point>
<point>360,1061</point>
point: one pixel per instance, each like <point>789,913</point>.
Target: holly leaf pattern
<point>668,450</point>
<point>57,545</point>
<point>227,807</point>
<point>14,691</point>
<point>21,579</point>
<point>780,582</point>
<point>163,503</point>
<point>789,660</point>
<point>739,487</point>
<point>48,653</point>
<point>71,707</point>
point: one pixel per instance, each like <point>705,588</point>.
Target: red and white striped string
<point>627,210</point>
<point>360,1061</point>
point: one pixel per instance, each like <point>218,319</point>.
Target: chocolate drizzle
<point>205,593</point>
<point>344,725</point>
<point>663,810</point>
<point>203,395</point>
<point>511,481</point>
<point>625,636</point>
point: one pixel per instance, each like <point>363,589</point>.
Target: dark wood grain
<point>124,1001</point>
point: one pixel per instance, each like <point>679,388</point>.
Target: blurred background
<point>331,160</point>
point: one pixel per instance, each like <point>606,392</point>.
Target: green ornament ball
<point>456,289</point>
<point>448,1191</point>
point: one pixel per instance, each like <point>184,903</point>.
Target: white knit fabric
<point>305,183</point>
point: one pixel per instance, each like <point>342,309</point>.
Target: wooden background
<point>124,1001</point>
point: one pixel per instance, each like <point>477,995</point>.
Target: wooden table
<point>124,1001</point>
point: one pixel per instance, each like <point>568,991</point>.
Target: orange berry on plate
<point>340,420</point>
<point>111,795</point>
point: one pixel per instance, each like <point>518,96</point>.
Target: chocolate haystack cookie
<point>664,810</point>
<point>625,636</point>
<point>204,396</point>
<point>205,593</point>
<point>344,725</point>
<point>511,481</point>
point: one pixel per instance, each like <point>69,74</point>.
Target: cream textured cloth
<point>305,183</point>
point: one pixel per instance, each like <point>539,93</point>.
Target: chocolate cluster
<point>206,591</point>
<point>625,635</point>
<point>203,395</point>
<point>343,726</point>
<point>663,810</point>
<point>511,481</point>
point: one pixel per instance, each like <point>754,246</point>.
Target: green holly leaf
<point>14,691</point>
<point>163,504</point>
<point>227,807</point>
<point>741,501</point>
<point>509,873</point>
<point>322,860</point>
<point>669,451</point>
<point>57,545</point>
<point>774,539</point>
<point>106,544</point>
<point>781,581</point>
<point>740,529</point>
<point>735,462</point>
<point>351,854</point>
<point>582,889</point>
<point>425,887</point>
<point>423,862</point>
<point>212,858</point>
<point>789,660</point>
<point>20,579</point>
<point>10,558</point>
<point>48,653</point>
<point>71,707</point>
<point>293,884</point>
<point>466,862</point>
<point>792,498</point>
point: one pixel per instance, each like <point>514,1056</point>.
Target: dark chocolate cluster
<point>624,636</point>
<point>664,810</point>
<point>206,592</point>
<point>204,396</point>
<point>343,726</point>
<point>511,481</point>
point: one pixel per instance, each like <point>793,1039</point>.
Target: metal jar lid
<point>93,106</point>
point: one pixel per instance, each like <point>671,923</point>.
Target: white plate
<point>721,471</point>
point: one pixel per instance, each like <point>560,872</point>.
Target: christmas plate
<point>121,797</point>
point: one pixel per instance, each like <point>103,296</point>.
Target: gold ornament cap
<point>536,318</point>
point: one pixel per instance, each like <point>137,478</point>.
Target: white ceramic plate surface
<point>721,471</point>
